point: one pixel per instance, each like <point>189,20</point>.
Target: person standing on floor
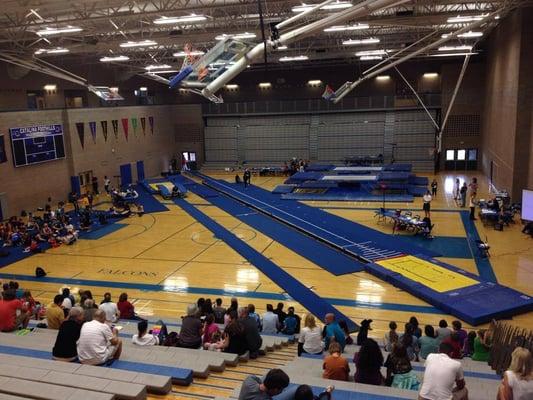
<point>457,190</point>
<point>472,205</point>
<point>462,192</point>
<point>246,177</point>
<point>434,186</point>
<point>94,182</point>
<point>107,183</point>
<point>427,203</point>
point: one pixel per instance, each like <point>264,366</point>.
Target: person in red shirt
<point>126,309</point>
<point>9,305</point>
<point>455,342</point>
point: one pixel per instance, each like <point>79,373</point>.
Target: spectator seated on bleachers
<point>517,383</point>
<point>191,329</point>
<point>428,343</point>
<point>335,365</point>
<point>290,324</point>
<point>13,313</point>
<point>210,330</point>
<point>270,320</point>
<point>219,311</point>
<point>399,370</point>
<point>252,314</point>
<point>251,332</point>
<point>54,313</point>
<point>98,343</point>
<point>368,362</point>
<point>333,330</point>
<point>145,338</point>
<point>234,339</point>
<point>310,338</point>
<point>126,309</point>
<point>68,335</point>
<point>443,377</point>
<point>253,388</point>
<point>481,347</point>
<point>391,337</point>
<point>110,309</point>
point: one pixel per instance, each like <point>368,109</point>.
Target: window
<point>461,155</point>
<point>472,155</point>
<point>450,155</point>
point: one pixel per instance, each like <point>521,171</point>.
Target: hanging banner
<point>114,122</point>
<point>125,126</point>
<point>143,125</point>
<point>134,124</point>
<point>92,127</point>
<point>80,127</point>
<point>151,122</point>
<point>104,129</point>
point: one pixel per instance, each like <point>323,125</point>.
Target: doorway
<point>189,157</point>
<point>86,179</point>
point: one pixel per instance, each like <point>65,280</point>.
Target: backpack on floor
<point>39,272</point>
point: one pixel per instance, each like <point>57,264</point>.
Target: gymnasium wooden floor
<point>172,250</point>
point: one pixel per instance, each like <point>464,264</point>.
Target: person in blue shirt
<point>333,330</point>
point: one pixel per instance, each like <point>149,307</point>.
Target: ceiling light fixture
<point>56,31</point>
<point>465,18</point>
<point>50,87</point>
<point>179,20</point>
<point>431,75</point>
<point>265,85</point>
<point>354,42</point>
<point>466,35</point>
<point>141,43</point>
<point>244,35</point>
<point>114,58</point>
<point>232,86</point>
<point>293,58</point>
<point>369,58</point>
<point>338,5</point>
<point>282,47</point>
<point>371,53</point>
<point>190,53</point>
<point>314,82</point>
<point>166,71</point>
<point>342,28</point>
<point>160,66</point>
<point>455,48</point>
<point>57,50</point>
<point>453,54</point>
<point>382,77</point>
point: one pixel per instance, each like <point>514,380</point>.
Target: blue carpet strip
<point>310,300</point>
<point>484,268</point>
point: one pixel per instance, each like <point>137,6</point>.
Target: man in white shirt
<point>111,310</point>
<point>98,343</point>
<point>270,320</point>
<point>440,375</point>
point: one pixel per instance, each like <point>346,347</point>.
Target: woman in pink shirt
<point>210,328</point>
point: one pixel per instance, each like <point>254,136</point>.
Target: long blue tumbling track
<point>319,253</point>
<point>353,238</point>
<point>314,303</point>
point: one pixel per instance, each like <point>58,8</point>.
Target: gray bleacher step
<point>126,391</point>
<point>46,391</point>
<point>4,396</point>
<point>154,383</point>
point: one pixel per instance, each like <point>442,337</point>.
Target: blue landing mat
<point>149,202</point>
<point>476,304</point>
<point>351,196</point>
<point>182,375</point>
<point>317,252</point>
<point>448,246</point>
<point>306,297</point>
<point>17,254</point>
<point>351,237</point>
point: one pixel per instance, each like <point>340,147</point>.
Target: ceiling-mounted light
<point>371,53</point>
<point>114,58</point>
<point>189,53</point>
<point>179,20</point>
<point>141,43</point>
<point>431,75</point>
<point>232,86</point>
<point>314,82</point>
<point>354,42</point>
<point>382,77</point>
<point>369,58</point>
<point>57,31</point>
<point>293,58</point>
<point>282,47</point>
<point>453,54</point>
<point>466,35</point>
<point>342,28</point>
<point>50,87</point>
<point>244,35</point>
<point>338,5</point>
<point>455,48</point>
<point>159,66</point>
<point>57,50</point>
<point>465,18</point>
<point>265,85</point>
<point>164,71</point>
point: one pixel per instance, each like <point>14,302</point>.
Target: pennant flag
<point>125,126</point>
<point>114,122</point>
<point>104,129</point>
<point>134,124</point>
<point>80,127</point>
<point>151,122</point>
<point>143,125</point>
<point>92,127</point>
<point>329,93</point>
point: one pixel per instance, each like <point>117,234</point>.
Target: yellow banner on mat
<point>433,276</point>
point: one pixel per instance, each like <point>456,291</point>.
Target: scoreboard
<point>37,144</point>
